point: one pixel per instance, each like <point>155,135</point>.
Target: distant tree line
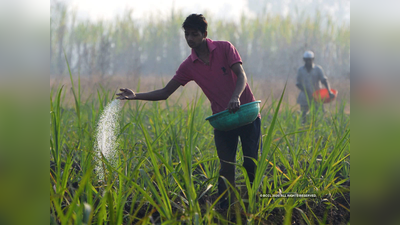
<point>270,46</point>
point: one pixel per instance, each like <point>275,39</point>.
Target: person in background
<point>216,67</point>
<point>309,79</point>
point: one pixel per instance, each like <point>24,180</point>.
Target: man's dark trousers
<point>226,143</point>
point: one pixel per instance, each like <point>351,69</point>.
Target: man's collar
<point>312,66</point>
<point>211,46</point>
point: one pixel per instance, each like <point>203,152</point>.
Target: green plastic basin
<point>228,121</point>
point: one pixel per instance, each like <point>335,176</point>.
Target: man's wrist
<point>235,97</point>
<point>131,98</point>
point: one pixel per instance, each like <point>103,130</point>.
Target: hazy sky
<point>225,9</point>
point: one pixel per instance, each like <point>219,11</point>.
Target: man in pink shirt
<point>216,67</point>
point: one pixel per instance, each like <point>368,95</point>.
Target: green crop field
<point>167,165</point>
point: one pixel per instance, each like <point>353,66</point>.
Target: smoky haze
<point>271,41</point>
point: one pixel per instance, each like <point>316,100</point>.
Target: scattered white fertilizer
<point>106,137</point>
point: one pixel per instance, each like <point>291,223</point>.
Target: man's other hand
<point>126,94</point>
<point>331,95</point>
<point>234,105</point>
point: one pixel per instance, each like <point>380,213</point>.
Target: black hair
<point>195,21</point>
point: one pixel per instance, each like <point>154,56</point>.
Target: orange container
<point>322,95</point>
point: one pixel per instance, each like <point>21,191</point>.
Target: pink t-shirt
<point>217,80</point>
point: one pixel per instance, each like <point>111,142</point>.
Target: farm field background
<point>167,163</point>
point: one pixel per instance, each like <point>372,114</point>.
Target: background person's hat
<point>308,55</point>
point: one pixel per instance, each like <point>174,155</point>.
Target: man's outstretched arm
<point>157,95</point>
